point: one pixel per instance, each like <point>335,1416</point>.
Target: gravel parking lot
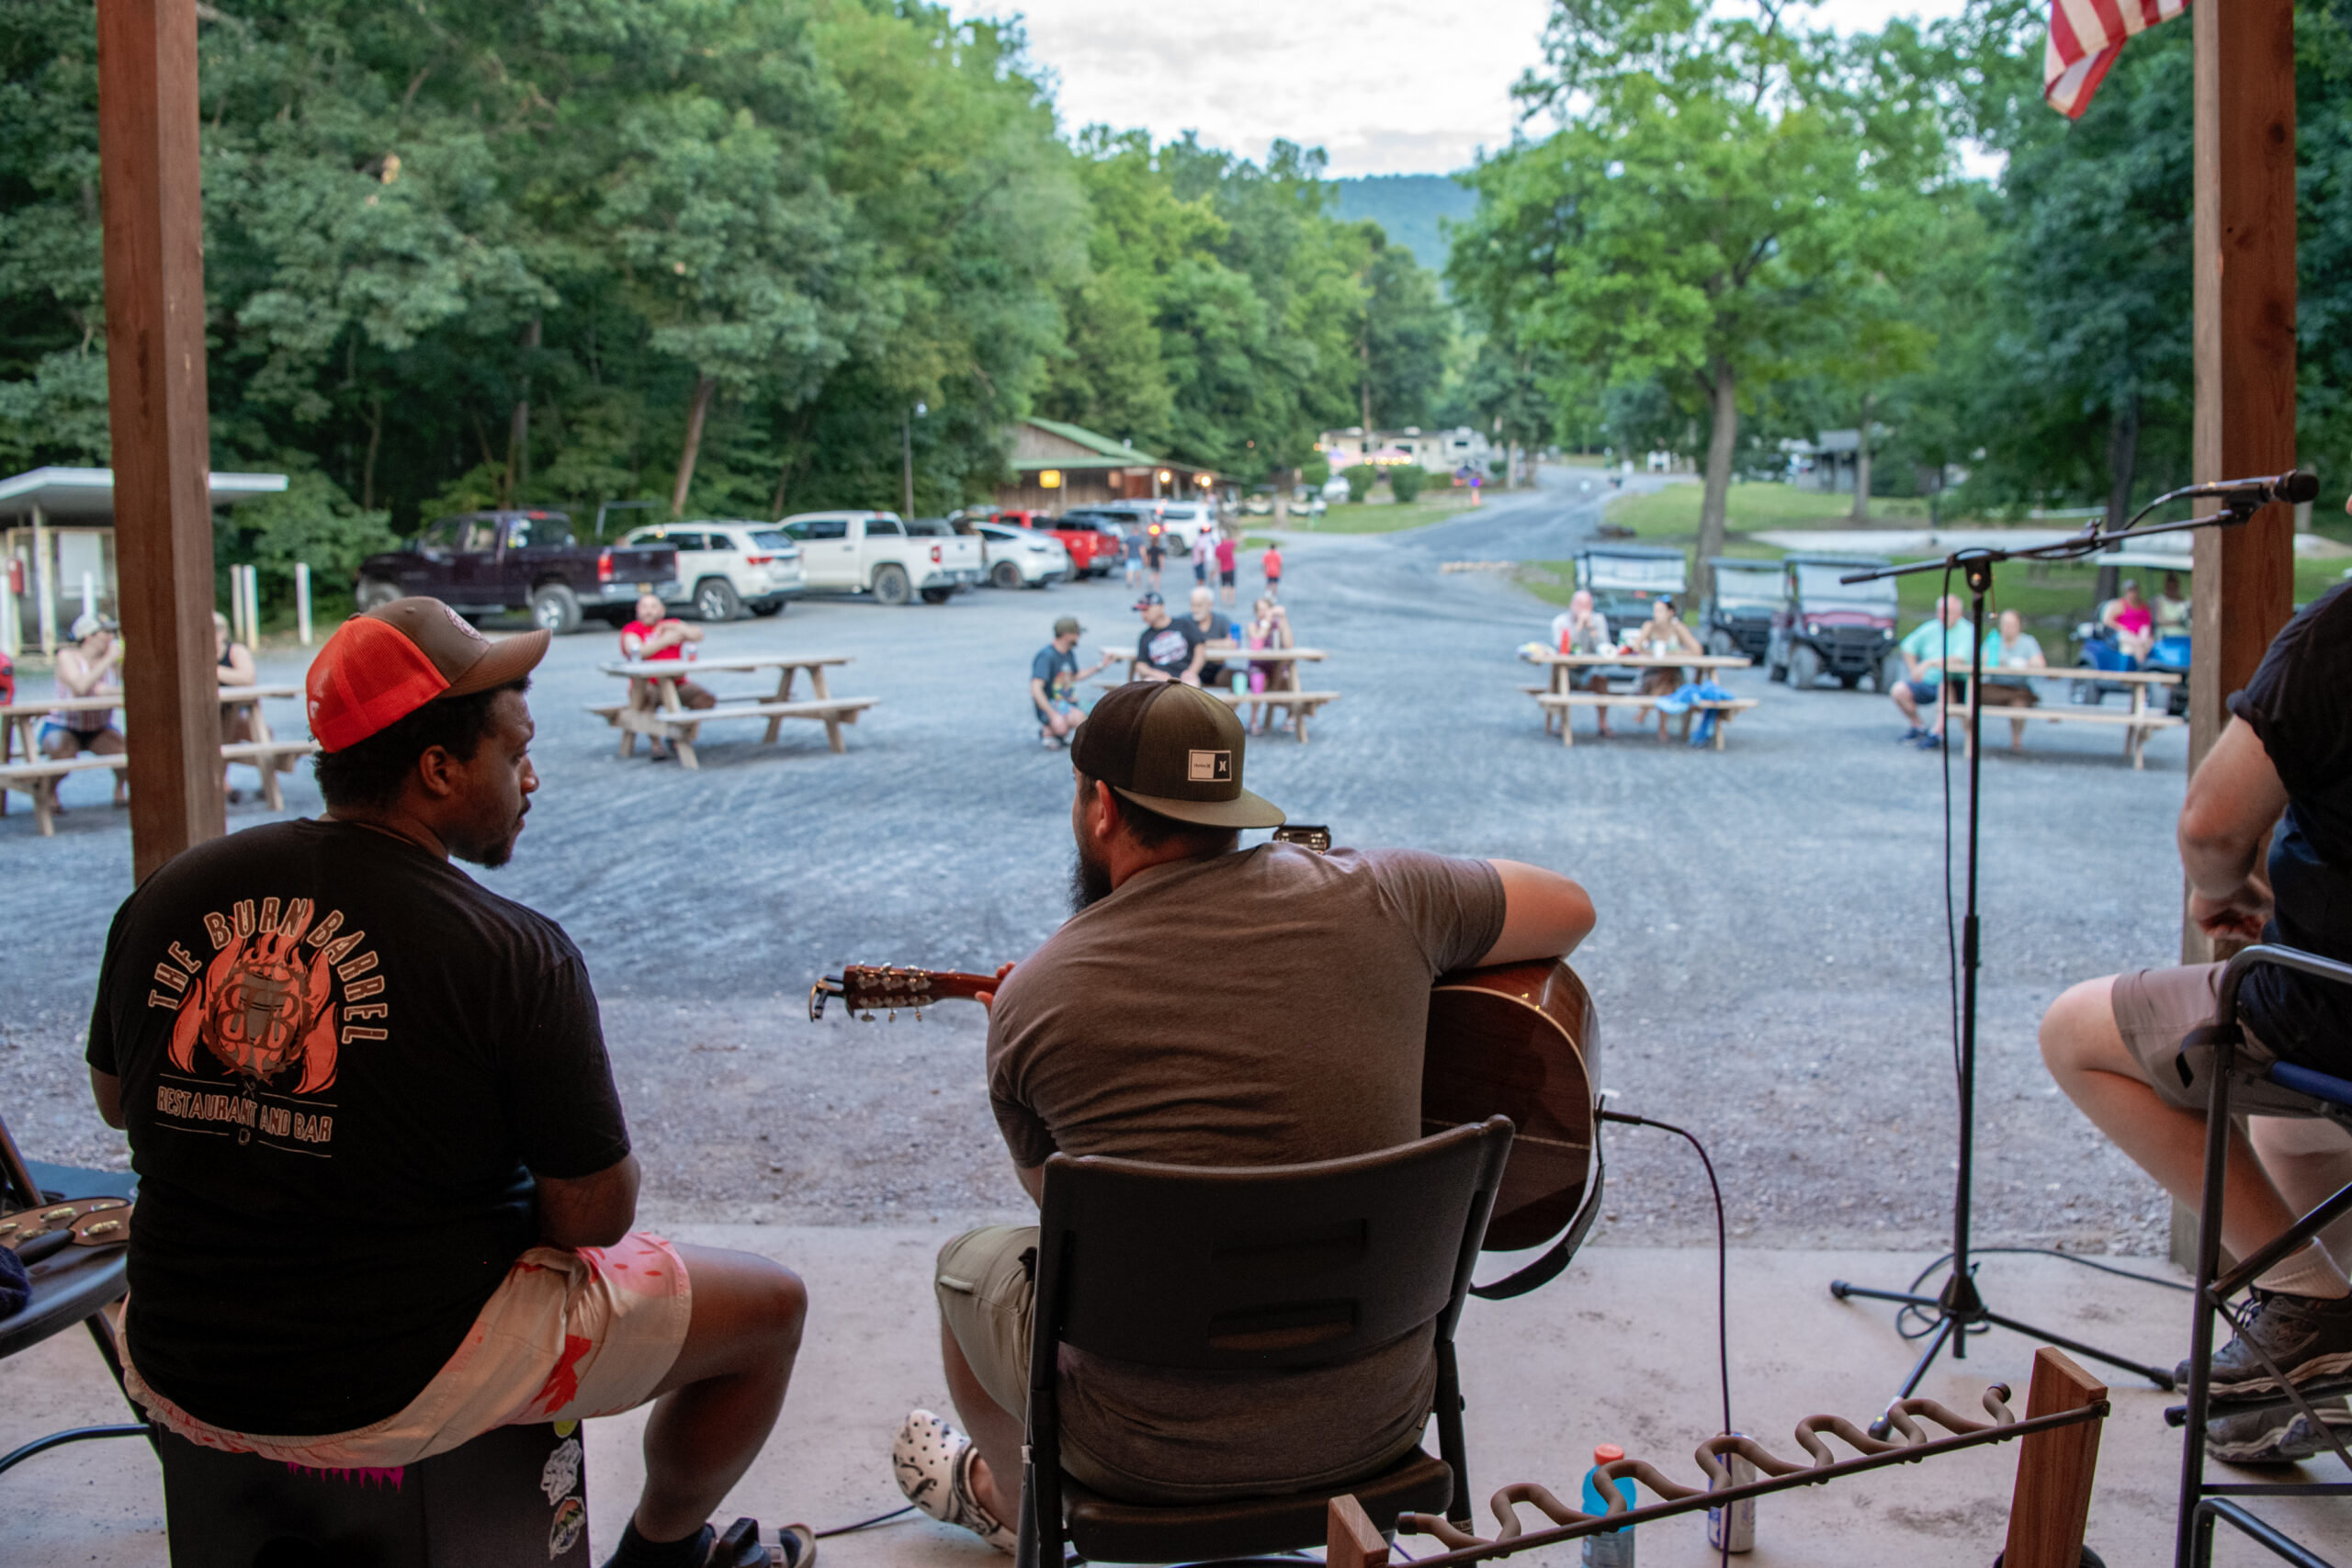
<point>1771,963</point>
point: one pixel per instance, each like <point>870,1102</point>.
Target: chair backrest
<point>1264,1266</point>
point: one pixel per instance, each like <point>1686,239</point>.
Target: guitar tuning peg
<point>917,1015</point>
<point>893,1015</point>
<point>867,1016</point>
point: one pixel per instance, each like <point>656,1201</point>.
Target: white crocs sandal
<point>933,1462</point>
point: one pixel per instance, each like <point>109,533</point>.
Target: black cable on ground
<point>865,1524</point>
<point>1907,1316</point>
<point>1723,1269</point>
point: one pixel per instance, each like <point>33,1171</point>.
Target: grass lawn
<point>1354,517</point>
<point>1671,515</point>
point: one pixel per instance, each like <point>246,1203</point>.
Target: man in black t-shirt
<point>385,1181</point>
<point>1167,650</point>
<point>2281,772</point>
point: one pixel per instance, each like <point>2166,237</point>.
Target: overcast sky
<point>1386,87</point>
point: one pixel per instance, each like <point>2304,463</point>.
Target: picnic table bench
<point>1559,699</point>
<point>23,767</point>
<point>1281,691</point>
<point>2139,721</point>
<point>654,708</point>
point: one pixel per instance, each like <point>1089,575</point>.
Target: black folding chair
<point>68,1287</point>
<point>1252,1268</point>
<point>2276,1089</point>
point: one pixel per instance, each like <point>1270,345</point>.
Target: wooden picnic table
<point>23,768</point>
<point>654,707</point>
<point>1558,697</point>
<point>1282,690</point>
<point>2137,722</point>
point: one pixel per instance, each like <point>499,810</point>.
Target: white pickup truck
<point>872,552</point>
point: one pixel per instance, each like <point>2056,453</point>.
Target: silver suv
<point>727,568</point>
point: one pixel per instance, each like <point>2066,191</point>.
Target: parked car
<point>485,563</point>
<point>730,567</point>
<point>1187,525</point>
<point>1259,507</point>
<point>1625,580</point>
<point>871,552</point>
<point>1309,501</point>
<point>1021,557</point>
<point>1829,626</point>
<point>1334,487</point>
<point>1747,595</point>
<point>1092,541</point>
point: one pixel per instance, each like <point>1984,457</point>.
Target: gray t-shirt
<point>1262,1008</point>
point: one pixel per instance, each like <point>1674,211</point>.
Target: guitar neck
<point>869,988</point>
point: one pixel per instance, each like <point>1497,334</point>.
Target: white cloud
<point>1386,87</point>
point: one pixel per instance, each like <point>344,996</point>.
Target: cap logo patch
<point>1210,767</point>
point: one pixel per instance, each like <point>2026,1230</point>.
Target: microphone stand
<point>1959,1308</point>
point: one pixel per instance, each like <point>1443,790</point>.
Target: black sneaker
<point>2308,1337</point>
<point>2280,1436</point>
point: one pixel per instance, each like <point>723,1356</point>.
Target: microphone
<point>2294,488</point>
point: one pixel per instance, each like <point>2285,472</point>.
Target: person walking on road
<point>1225,567</point>
<point>1272,564</point>
<point>1131,546</point>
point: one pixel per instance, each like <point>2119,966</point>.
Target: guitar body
<point>1519,1039</point>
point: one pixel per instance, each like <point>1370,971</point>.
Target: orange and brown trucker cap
<point>384,664</point>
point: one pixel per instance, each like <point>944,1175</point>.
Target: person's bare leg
<point>2017,735</point>
<point>2089,1061</point>
<point>1908,704</point>
<point>715,1409</point>
<point>995,1432</point>
<point>2309,1162</point>
<point>109,743</point>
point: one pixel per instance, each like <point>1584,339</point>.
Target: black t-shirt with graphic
<point>341,1060</point>
<point>2299,705</point>
<point>1169,648</point>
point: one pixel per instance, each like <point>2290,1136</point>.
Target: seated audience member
<point>1661,636</point>
<point>1053,676</point>
<point>1168,649</point>
<point>90,666</point>
<point>2115,1044</point>
<point>2132,623</point>
<point>655,633</point>
<point>1269,628</point>
<point>1580,628</point>
<point>1215,625</point>
<point>2011,650</point>
<point>1925,651</point>
<point>421,1229</point>
<point>1331,992</point>
<point>2171,608</point>
<point>233,666</point>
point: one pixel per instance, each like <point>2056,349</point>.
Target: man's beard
<point>1089,881</point>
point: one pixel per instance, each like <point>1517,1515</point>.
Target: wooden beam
<point>1352,1540</point>
<point>153,218</point>
<point>2050,1505</point>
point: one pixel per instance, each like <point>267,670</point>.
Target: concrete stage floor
<point>1619,1349</point>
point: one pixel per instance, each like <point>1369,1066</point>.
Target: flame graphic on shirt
<point>262,1010</point>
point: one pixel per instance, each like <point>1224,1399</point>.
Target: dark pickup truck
<point>485,563</point>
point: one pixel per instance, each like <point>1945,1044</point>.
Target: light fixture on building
<point>1050,478</point>
<point>1203,481</point>
<point>1166,478</point>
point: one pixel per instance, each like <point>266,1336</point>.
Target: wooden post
<point>44,585</point>
<point>2244,578</point>
<point>1353,1542</point>
<point>155,393</point>
<point>2050,1504</point>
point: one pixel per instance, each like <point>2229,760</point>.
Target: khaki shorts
<point>2154,1009</point>
<point>569,1334</point>
<point>1996,695</point>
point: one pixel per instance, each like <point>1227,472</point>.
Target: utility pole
<point>906,458</point>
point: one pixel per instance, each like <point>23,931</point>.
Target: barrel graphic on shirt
<point>264,1006</point>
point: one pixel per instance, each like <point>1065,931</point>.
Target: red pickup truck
<point>1093,547</point>
<point>486,563</point>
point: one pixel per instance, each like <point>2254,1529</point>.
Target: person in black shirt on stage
<point>2280,773</point>
<point>385,1182</point>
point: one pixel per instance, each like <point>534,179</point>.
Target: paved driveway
<point>1771,963</point>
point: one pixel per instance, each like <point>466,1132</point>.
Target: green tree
<point>1408,330</point>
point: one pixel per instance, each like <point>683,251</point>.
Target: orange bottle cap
<point>1608,1453</point>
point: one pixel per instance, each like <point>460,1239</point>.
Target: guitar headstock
<point>868,989</point>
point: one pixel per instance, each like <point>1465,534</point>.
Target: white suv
<point>728,568</point>
<point>1021,557</point>
<point>1188,525</point>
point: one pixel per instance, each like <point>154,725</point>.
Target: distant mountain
<point>1407,208</point>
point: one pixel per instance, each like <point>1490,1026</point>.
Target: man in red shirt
<point>1273,562</point>
<point>1224,566</point>
<point>656,635</point>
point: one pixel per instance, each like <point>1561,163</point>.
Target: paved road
<point>1770,963</point>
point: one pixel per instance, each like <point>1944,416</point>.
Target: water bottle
<point>1731,1526</point>
<point>1609,1548</point>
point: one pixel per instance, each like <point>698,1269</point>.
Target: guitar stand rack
<point>2049,1510</point>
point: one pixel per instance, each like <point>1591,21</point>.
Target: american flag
<point>2084,38</point>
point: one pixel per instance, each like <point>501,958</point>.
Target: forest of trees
<point>714,253</point>
<point>710,253</point>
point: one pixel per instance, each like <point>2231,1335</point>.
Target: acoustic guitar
<point>1515,1038</point>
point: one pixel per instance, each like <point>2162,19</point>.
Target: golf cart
<point>2169,653</point>
<point>1625,580</point>
<point>1738,618</point>
<point>1829,627</point>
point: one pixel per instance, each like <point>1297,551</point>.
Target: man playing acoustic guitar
<point>1307,1045</point>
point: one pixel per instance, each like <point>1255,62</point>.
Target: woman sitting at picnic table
<point>655,636</point>
<point>2010,650</point>
<point>232,665</point>
<point>2133,622</point>
<point>1269,628</point>
<point>1661,635</point>
<point>89,666</point>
